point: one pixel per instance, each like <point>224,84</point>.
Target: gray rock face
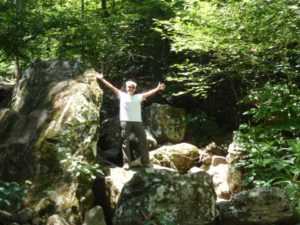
<point>49,98</point>
<point>263,206</point>
<point>54,117</point>
<point>25,215</point>
<point>155,192</point>
<point>56,220</point>
<point>235,153</point>
<point>165,122</point>
<point>94,216</point>
<point>110,134</point>
<point>115,182</point>
<point>5,216</point>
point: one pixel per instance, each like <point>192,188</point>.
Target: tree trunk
<point>104,8</point>
<point>236,98</point>
<point>18,72</point>
<point>20,9</point>
<point>82,9</point>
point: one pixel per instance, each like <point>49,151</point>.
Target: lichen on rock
<point>54,115</point>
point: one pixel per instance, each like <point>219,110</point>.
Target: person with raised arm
<point>131,118</point>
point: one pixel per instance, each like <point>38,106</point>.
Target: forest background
<point>232,65</point>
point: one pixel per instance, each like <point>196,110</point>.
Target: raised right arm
<point>107,84</point>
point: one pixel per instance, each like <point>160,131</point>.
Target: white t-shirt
<point>130,107</point>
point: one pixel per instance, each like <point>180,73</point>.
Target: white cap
<point>130,82</point>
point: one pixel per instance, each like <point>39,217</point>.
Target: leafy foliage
<point>22,24</point>
<point>12,194</point>
<point>5,72</point>
<point>78,167</point>
<point>77,150</point>
<point>250,46</point>
<point>272,140</point>
<point>204,126</point>
<point>118,39</point>
<point>217,42</point>
<point>129,46</point>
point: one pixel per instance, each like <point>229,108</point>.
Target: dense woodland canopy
<point>236,64</point>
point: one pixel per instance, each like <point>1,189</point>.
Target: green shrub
<point>203,126</point>
<point>12,194</point>
<point>271,139</point>
<point>77,150</point>
<point>77,166</point>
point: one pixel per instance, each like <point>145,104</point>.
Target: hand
<point>161,86</point>
<point>100,76</point>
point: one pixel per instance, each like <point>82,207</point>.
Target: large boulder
<point>165,195</point>
<point>114,182</point>
<point>110,132</point>
<point>54,99</point>
<point>166,123</point>
<point>226,179</point>
<point>56,220</point>
<point>54,117</point>
<point>94,216</point>
<point>262,206</point>
<point>235,153</point>
<point>110,138</point>
<point>181,156</point>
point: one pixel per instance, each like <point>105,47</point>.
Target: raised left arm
<point>160,87</point>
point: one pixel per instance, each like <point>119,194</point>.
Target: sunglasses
<point>131,87</point>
